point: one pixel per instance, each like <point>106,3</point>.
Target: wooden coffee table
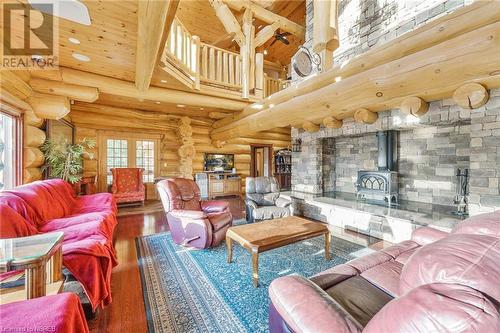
<point>267,235</point>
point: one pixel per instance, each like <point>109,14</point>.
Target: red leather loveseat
<point>435,282</point>
<point>88,223</point>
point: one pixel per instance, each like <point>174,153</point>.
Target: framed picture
<point>219,162</point>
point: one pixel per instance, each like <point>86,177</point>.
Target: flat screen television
<point>219,162</point>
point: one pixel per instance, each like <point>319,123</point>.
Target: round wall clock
<point>302,63</point>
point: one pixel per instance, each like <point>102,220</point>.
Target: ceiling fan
<point>282,37</point>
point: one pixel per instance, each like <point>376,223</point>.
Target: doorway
<point>261,160</point>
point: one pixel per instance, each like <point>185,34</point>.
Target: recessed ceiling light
<point>265,52</point>
<point>74,40</point>
<point>181,106</point>
<point>163,81</point>
<point>81,57</point>
<point>72,10</point>
<point>202,109</point>
<point>157,102</point>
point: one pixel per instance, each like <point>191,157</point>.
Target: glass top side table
<point>40,256</point>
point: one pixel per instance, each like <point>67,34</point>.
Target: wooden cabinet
<point>283,168</point>
<point>223,184</point>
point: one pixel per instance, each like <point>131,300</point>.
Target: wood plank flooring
<point>126,313</point>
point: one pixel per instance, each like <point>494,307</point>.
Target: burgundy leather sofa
<point>435,282</point>
<point>88,223</point>
<point>192,222</point>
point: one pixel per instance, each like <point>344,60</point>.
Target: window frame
<point>18,135</point>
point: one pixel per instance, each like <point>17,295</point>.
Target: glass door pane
<point>117,156</point>
<point>145,158</point>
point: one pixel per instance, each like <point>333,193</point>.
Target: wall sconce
<point>297,145</point>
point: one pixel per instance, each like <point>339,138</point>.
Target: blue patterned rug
<point>197,291</point>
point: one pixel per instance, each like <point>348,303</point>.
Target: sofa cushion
<point>270,212</point>
<point>471,260</point>
<point>20,206</point>
<point>334,275</point>
<point>358,297</point>
<point>483,224</point>
<point>263,199</point>
<point>385,276</point>
<point>99,202</point>
<point>444,308</point>
<point>371,260</point>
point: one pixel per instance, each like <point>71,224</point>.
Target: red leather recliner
<point>128,185</point>
<point>192,222</point>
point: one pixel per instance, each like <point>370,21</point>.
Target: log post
<point>324,35</point>
<point>330,122</point>
<point>245,54</point>
<point>196,61</point>
<point>414,106</point>
<point>364,116</point>
<point>187,149</point>
<point>471,96</point>
<point>259,75</point>
<point>310,127</point>
<point>228,20</point>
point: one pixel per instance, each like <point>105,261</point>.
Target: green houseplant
<point>65,160</point>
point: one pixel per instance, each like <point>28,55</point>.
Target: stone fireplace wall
<point>430,149</point>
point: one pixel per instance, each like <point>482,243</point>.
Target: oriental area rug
<point>189,290</point>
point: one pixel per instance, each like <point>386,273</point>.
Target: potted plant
<point>65,160</point>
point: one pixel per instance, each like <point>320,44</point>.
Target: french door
<point>129,150</point>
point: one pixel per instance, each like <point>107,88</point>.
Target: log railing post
<point>196,61</point>
<point>259,75</point>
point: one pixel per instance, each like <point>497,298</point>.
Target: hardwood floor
<point>126,313</point>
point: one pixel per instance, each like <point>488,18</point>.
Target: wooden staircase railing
<point>198,64</point>
<point>220,67</point>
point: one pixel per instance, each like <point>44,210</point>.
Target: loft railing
<point>182,51</point>
<point>195,63</point>
<point>220,67</point>
<point>272,85</point>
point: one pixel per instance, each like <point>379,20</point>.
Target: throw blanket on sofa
<point>88,224</point>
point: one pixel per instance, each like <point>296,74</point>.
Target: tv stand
<point>223,184</point>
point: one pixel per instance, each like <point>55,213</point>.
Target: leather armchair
<point>127,185</point>
<point>192,222</point>
<point>435,282</point>
<point>263,201</point>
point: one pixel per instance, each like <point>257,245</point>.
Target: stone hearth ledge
<point>387,223</point>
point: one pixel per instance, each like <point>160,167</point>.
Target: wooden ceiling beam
<point>268,16</point>
<point>112,86</point>
<point>433,73</point>
<point>265,34</point>
<point>151,19</point>
<point>228,20</point>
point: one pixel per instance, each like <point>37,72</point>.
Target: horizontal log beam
<point>72,91</point>
<point>49,106</point>
<point>268,17</point>
<point>433,73</point>
<point>112,86</point>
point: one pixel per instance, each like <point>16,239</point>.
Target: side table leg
<point>35,281</point>
<point>229,245</point>
<point>54,267</point>
<point>255,268</point>
<point>327,245</point>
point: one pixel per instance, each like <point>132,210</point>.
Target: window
<point>10,147</point>
<point>117,156</point>
<point>145,158</point>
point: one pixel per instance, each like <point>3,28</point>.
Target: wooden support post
<point>211,64</point>
<point>259,75</point>
<point>471,96</point>
<point>330,122</point>
<point>364,116</point>
<point>196,61</point>
<point>245,54</point>
<point>414,106</point>
<point>204,61</point>
<point>310,127</point>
